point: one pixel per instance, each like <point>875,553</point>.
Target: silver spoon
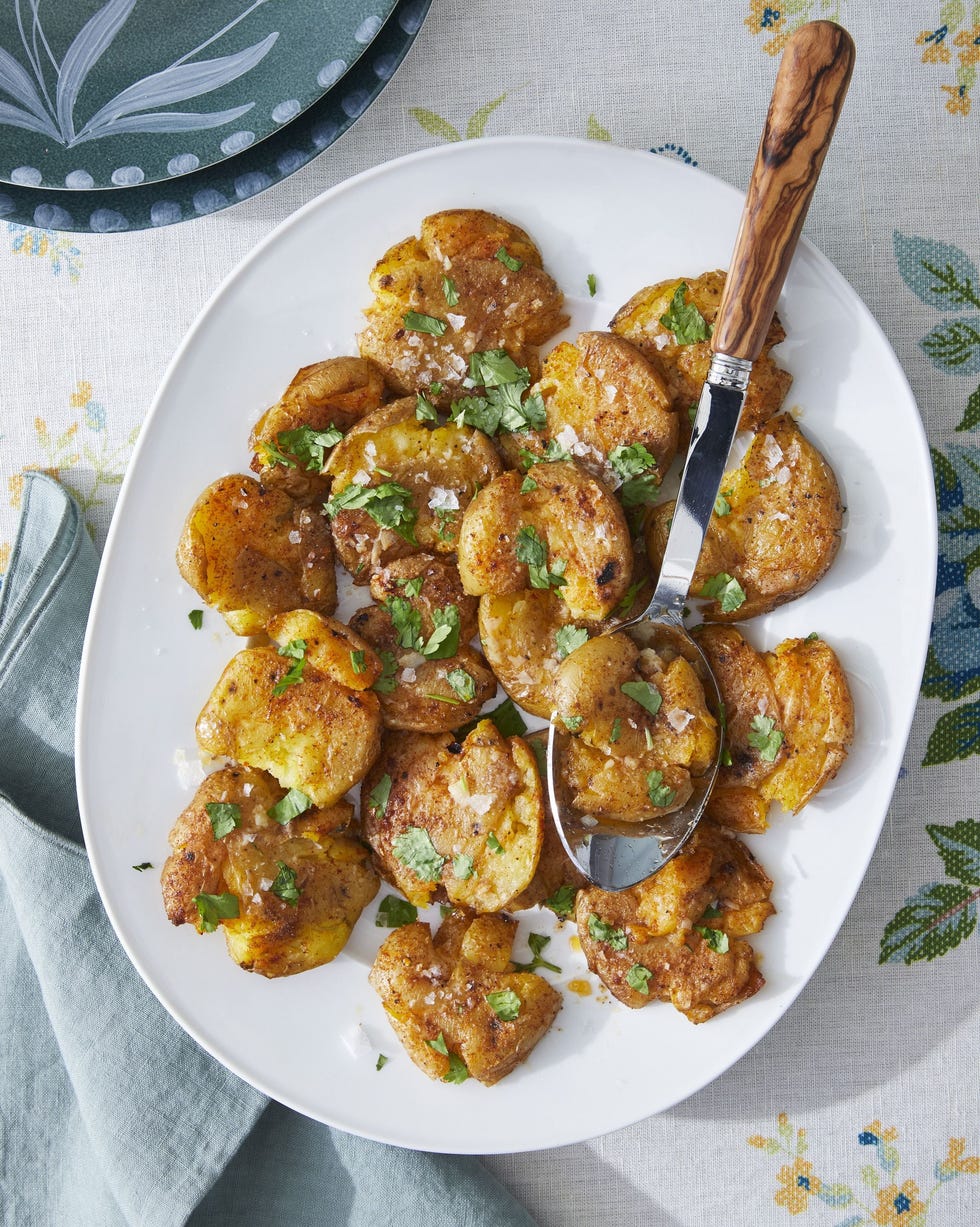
<point>807,97</point>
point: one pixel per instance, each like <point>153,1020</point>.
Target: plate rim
<point>895,731</point>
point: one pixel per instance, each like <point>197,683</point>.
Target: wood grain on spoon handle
<point>807,98</point>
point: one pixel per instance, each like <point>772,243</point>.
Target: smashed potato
<point>567,532</point>
<point>424,481</point>
<point>469,300</point>
<point>296,888</point>
<point>455,1003</point>
<point>781,533</point>
<point>600,394</point>
<point>251,552</point>
<point>677,936</point>
<point>685,366</point>
<point>466,819</point>
<point>331,394</point>
<point>318,733</point>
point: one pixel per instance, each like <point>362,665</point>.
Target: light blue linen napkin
<point>109,1113</point>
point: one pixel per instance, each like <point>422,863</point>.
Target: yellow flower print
<point>763,16</point>
<point>873,1134</point>
<point>955,1162</point>
<point>80,398</point>
<point>898,1207</point>
<point>969,40</point>
<point>934,41</point>
<point>4,558</point>
<point>15,484</point>
<point>958,102</point>
<point>799,1183</point>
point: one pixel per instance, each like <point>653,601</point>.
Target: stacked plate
<point>127,114</point>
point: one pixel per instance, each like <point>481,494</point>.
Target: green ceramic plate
<point>235,179</point>
<point>113,93</point>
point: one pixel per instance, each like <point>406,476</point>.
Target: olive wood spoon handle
<point>806,101</point>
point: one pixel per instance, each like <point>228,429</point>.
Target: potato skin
<point>517,631</point>
<point>685,367</point>
<point>659,918</point>
<point>574,514</point>
<point>319,735</point>
<point>336,392</point>
<point>606,393</point>
<point>432,988</point>
<point>780,537</point>
<point>252,552</point>
<point>497,309</point>
<point>441,586</point>
<point>269,936</point>
<point>460,796</point>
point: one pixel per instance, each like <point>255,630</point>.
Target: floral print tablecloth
<point>863,1104</point>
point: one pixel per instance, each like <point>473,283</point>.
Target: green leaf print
<point>939,273</point>
<point>595,131</point>
<point>959,846</point>
<point>934,921</point>
<point>434,124</point>
<point>971,419</point>
<point>956,735</point>
<point>954,345</point>
<point>478,120</point>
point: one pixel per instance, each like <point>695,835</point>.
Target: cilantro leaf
<point>389,505</point>
<point>444,640</point>
<point>722,506</point>
<point>530,549</point>
<point>386,683</point>
<point>295,650</point>
<point>357,662</point>
<point>644,693</point>
<point>630,460</point>
<point>416,321</point>
<point>463,684</point>
<point>212,908</point>
<point>599,931</point>
<point>425,410</point>
<point>382,1061</point>
<point>225,816</point>
<point>379,794</point>
<point>661,795</point>
<point>412,587</point>
<point>449,291</point>
<point>639,491</point>
<point>536,943</point>
<point>415,849</point>
<point>717,939</point>
<point>568,638</point>
<point>406,620</point>
<point>394,912</point>
<point>573,723</point>
<point>507,719</point>
<point>143,865</point>
<point>684,320</point>
<point>494,844</point>
<point>284,887</point>
<point>562,901</point>
<point>590,281</point>
<point>457,1070</point>
<point>638,978</point>
<point>505,1004</point>
<point>528,484</point>
<point>616,732</point>
<point>626,604</point>
<point>765,737</point>
<point>726,755</point>
<point>711,912</point>
<point>553,451</point>
<point>508,260</point>
<point>309,446</point>
<point>439,1044</point>
<point>291,806</point>
<point>726,590</point>
<point>196,618</point>
<point>492,368</point>
<point>475,411</point>
<point>462,867</point>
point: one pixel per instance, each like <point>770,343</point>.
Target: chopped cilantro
<point>562,901</point>
<point>389,505</point>
<point>290,806</point>
<point>271,456</point>
<point>717,939</point>
<point>638,978</point>
<point>590,281</point>
<point>357,661</point>
<point>765,737</point>
<point>553,451</point>
<point>284,887</point>
<point>507,719</point>
<point>309,446</point>
<point>443,698</point>
<point>449,291</point>
<point>435,389</point>
<point>530,549</point>
<point>444,640</point>
<point>412,587</point>
<point>648,736</point>
<point>445,520</point>
<point>225,816</point>
<point>726,590</point>
<point>463,684</point>
<point>811,637</point>
<point>382,1061</point>
<point>616,732</point>
<point>379,794</point>
<point>626,604</point>
<point>508,261</point>
<point>536,943</point>
<point>505,1004</point>
<point>492,368</point>
<point>212,908</point>
<point>599,931</point>
<point>722,506</point>
<point>568,638</point>
<point>726,755</point>
<point>661,795</point>
<point>462,867</point>
<point>457,1070</point>
<point>630,460</point>
<point>386,683</point>
<point>296,651</point>
<point>573,723</point>
<point>415,321</point>
<point>711,912</point>
<point>196,618</point>
<point>528,484</point>
<point>475,411</point>
<point>494,844</point>
<point>143,865</point>
<point>406,620</point>
<point>644,693</point>
<point>692,412</point>
<point>425,410</point>
<point>439,1044</point>
<point>415,849</point>
<point>684,320</point>
<point>394,912</point>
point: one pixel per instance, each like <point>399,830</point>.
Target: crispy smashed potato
<point>685,366</point>
<point>299,887</point>
<point>319,734</point>
<point>251,552</point>
<point>567,532</point>
<point>600,394</point>
<point>440,587</point>
<point>676,937</point>
<point>498,307</point>
<point>790,722</point>
<point>334,393</point>
<point>437,472</point>
<point>440,997</point>
<point>782,532</point>
<point>466,819</point>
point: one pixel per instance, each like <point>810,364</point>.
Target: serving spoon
<point>806,101</point>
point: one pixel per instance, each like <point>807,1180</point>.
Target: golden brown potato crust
<point>657,922</point>
<point>685,367</point>
<point>480,804</point>
<point>575,515</point>
<point>498,308</point>
<point>336,392</point>
<point>251,552</point>
<point>441,988</point>
<point>517,632</point>
<point>783,530</point>
<point>333,874</point>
